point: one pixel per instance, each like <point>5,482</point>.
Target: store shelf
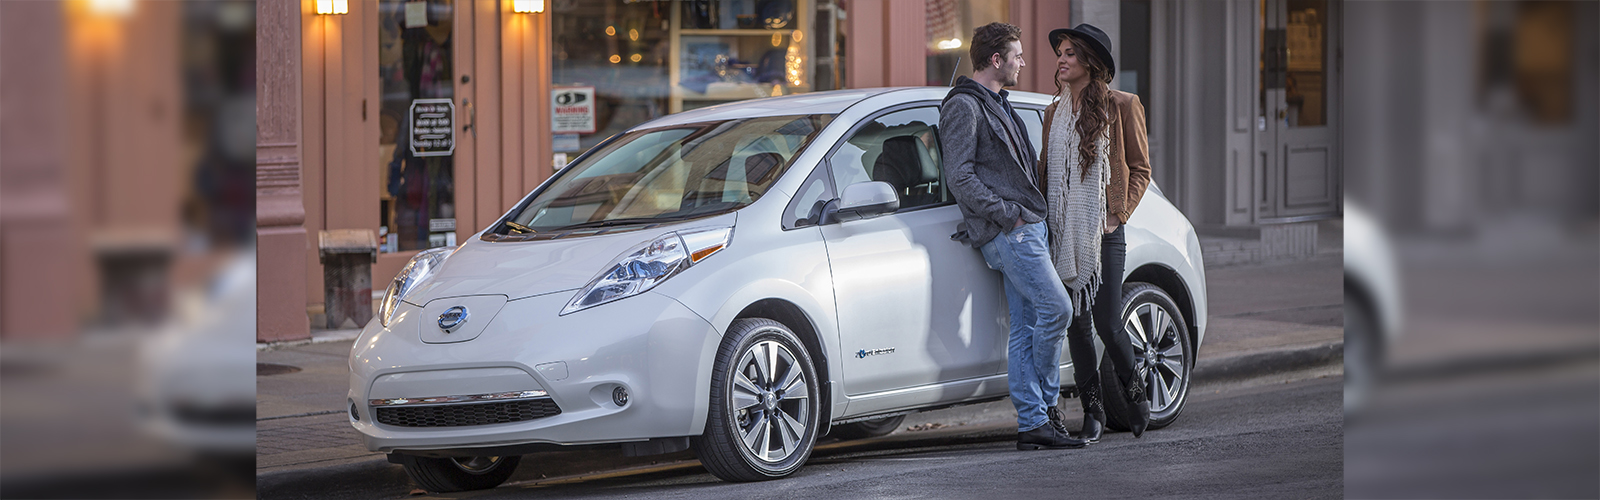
<point>735,32</point>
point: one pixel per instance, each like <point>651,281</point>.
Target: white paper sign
<point>416,14</point>
<point>433,129</point>
<point>572,110</point>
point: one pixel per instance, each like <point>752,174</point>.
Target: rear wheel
<point>1163,356</point>
<point>868,429</point>
<point>444,475</point>
<point>764,408</point>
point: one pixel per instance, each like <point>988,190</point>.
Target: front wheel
<point>1163,356</point>
<point>444,475</point>
<point>764,408</point>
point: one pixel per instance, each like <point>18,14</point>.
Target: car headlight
<point>643,267</point>
<point>418,269</point>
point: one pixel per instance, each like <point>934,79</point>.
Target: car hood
<point>524,269</point>
<point>528,268</point>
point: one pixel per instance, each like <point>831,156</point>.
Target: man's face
<point>1010,63</point>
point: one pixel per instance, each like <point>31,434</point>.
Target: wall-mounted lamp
<point>951,44</point>
<point>327,7</point>
<point>115,8</point>
<point>527,6</point>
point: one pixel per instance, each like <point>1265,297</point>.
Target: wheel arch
<point>792,316</point>
<point>1168,280</point>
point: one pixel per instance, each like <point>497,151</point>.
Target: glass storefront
<point>647,59</point>
<point>416,123</point>
<point>949,27</point>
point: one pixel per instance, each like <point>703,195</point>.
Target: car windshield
<point>670,173</point>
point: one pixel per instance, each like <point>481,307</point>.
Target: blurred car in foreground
<point>1371,304</point>
<point>740,280</point>
<point>196,377</point>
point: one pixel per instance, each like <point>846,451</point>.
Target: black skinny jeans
<point>1107,320</point>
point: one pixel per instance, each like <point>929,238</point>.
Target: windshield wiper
<point>621,222</point>
<point>519,227</point>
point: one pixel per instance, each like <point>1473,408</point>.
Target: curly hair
<point>1095,114</point>
<point>991,39</point>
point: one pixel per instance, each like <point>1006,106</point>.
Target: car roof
<point>830,102</point>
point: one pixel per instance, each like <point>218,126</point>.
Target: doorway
<point>1297,127</point>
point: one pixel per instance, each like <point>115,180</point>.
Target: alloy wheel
<point>770,401</point>
<point>1158,354</point>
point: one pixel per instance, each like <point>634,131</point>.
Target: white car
<point>1372,304</point>
<point>739,279</point>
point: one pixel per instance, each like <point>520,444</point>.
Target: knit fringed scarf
<point>1077,208</point>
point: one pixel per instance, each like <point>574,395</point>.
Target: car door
<point>916,309</point>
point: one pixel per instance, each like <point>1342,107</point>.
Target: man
<point>987,159</point>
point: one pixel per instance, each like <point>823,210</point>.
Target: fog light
<point>619,396</point>
<point>354,415</point>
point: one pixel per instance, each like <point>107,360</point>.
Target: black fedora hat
<point>1098,41</point>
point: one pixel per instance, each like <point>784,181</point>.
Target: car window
<point>1034,120</point>
<point>671,173</point>
<point>900,148</point>
<point>806,208</point>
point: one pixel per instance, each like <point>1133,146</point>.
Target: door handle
<point>472,118</point>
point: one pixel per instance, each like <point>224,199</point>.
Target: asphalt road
<point>1268,438</point>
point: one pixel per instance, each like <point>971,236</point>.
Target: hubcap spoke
<point>789,430</point>
<point>1158,390</point>
<point>753,436</point>
<point>1160,323</point>
<point>745,393</point>
<point>1174,366</point>
<point>1136,332</point>
<point>761,352</point>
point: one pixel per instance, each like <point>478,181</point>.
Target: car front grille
<point>459,415</point>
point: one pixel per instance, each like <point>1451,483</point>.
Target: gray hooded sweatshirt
<point>986,157</point>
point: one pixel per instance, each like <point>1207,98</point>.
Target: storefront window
<point>950,25</point>
<point>620,49</point>
<point>416,122</point>
<point>647,59</point>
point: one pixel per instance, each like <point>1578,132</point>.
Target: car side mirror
<point>864,200</point>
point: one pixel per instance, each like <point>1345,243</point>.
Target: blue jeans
<point>1040,310</point>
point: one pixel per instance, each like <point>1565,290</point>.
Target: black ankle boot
<point>1138,409</point>
<point>1094,415</point>
<point>1046,436</point>
<point>1056,419</point>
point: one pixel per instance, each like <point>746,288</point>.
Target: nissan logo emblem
<point>453,318</point>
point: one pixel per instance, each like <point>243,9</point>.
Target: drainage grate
<point>468,414</point>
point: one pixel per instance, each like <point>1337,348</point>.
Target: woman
<point>1095,170</point>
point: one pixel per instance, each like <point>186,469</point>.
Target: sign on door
<point>433,129</point>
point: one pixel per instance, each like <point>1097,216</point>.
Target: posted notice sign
<point>433,127</point>
<point>572,110</point>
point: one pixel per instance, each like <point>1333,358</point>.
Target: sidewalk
<point>1264,318</point>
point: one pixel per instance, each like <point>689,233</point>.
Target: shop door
<point>1298,123</point>
<point>420,122</point>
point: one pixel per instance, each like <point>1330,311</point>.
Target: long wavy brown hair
<point>1094,115</point>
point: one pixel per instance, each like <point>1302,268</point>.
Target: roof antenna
<point>953,72</point>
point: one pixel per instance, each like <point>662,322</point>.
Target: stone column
<point>280,207</point>
<point>42,264</point>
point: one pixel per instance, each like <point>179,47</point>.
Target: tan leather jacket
<point>1130,154</point>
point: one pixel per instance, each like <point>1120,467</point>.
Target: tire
<point>444,475</point>
<point>762,375</point>
<point>1363,352</point>
<point>867,429</point>
<point>1163,356</point>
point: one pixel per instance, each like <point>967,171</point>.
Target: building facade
<point>423,121</point>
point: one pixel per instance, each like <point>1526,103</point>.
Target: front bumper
<point>650,345</point>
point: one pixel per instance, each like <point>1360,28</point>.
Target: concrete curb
<point>1258,364</point>
<point>371,476</point>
